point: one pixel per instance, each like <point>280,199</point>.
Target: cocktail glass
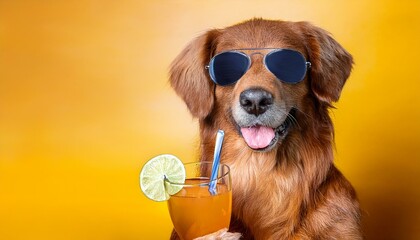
<point>194,210</point>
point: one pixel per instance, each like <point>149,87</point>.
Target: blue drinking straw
<point>216,161</point>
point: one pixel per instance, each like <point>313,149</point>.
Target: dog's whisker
<point>293,119</point>
<point>304,114</point>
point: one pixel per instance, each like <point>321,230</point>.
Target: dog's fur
<point>291,190</point>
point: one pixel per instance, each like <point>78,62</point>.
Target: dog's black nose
<point>255,101</point>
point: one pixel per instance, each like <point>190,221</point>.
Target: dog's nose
<point>255,101</point>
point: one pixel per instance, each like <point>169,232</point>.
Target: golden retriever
<point>269,85</point>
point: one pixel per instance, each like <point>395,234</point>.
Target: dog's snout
<point>255,101</point>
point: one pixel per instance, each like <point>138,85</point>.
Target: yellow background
<point>84,102</point>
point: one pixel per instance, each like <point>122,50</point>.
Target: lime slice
<point>153,173</point>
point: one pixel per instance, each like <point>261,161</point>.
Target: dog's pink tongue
<point>258,137</point>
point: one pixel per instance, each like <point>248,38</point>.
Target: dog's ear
<point>189,77</point>
<point>331,64</point>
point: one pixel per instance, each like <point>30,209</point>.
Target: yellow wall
<point>84,102</point>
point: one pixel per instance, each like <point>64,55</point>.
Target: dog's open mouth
<point>258,137</point>
<point>262,138</point>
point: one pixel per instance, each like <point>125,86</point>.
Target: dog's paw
<point>222,234</point>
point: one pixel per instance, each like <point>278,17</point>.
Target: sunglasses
<point>287,65</point>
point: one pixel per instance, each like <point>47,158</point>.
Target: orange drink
<point>195,212</point>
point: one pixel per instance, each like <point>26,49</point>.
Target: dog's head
<point>260,104</point>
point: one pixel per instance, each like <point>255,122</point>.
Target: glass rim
<point>206,183</point>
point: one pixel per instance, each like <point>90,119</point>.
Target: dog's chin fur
<point>291,189</point>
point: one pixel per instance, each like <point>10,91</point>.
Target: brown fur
<point>293,191</point>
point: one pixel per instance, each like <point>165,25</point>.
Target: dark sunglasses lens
<point>287,65</point>
<point>228,67</point>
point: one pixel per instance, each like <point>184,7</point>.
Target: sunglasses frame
<point>239,51</point>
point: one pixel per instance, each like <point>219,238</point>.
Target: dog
<point>270,85</point>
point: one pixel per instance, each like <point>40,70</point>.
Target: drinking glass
<point>196,212</point>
